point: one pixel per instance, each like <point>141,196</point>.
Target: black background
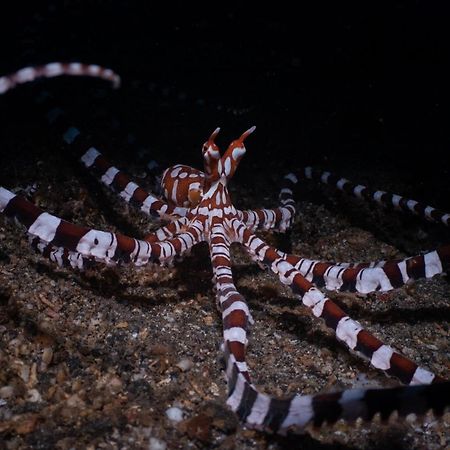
<point>348,87</point>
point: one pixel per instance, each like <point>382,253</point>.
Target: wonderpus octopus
<point>198,208</point>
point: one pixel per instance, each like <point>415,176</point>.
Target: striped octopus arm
<point>118,181</point>
<point>51,70</point>
<point>381,198</point>
<point>348,331</point>
<point>279,218</point>
<point>280,415</point>
<point>106,247</point>
<point>265,412</point>
<point>66,258</point>
<point>371,276</point>
<point>172,229</point>
<point>236,317</point>
<point>60,255</point>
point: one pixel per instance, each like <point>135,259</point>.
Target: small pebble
<point>47,355</point>
<point>208,320</point>
<point>214,389</point>
<point>26,423</point>
<point>174,414</point>
<point>34,396</point>
<point>115,385</point>
<point>61,375</point>
<point>74,401</point>
<point>6,392</point>
<point>185,364</point>
<point>156,444</point>
<point>24,373</point>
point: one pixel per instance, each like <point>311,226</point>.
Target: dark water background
<point>355,88</point>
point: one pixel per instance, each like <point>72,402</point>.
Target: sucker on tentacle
<point>199,208</point>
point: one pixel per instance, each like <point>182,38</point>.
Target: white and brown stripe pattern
<point>171,230</point>
<point>347,330</point>
<point>271,414</point>
<point>127,189</point>
<point>261,411</point>
<point>183,185</point>
<point>56,69</point>
<point>280,218</point>
<point>264,412</point>
<point>107,247</point>
<point>379,197</point>
<point>66,258</point>
<point>235,313</point>
<point>60,255</point>
<point>372,276</point>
